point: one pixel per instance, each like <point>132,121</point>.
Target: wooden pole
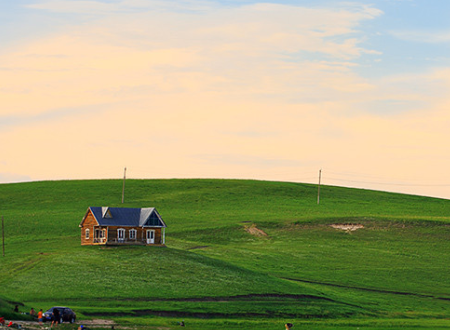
<point>123,187</point>
<point>3,235</point>
<point>318,188</point>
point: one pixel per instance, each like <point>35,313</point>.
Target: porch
<point>126,241</point>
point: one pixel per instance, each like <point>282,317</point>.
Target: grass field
<point>240,255</point>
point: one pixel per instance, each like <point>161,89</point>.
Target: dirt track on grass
<point>400,293</point>
<point>206,315</point>
<point>95,323</point>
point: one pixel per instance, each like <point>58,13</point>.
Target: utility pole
<point>123,187</point>
<point>3,235</point>
<point>318,188</point>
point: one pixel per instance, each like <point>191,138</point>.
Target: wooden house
<point>122,226</point>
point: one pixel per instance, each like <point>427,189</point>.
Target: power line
<point>305,176</point>
<point>391,183</point>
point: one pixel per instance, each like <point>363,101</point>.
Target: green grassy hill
<point>238,252</point>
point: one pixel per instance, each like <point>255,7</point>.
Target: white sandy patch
<point>347,227</point>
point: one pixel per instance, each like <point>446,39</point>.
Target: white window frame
<point>87,233</point>
<point>132,233</point>
<point>121,234</point>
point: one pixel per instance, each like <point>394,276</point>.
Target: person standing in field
<point>32,312</point>
<point>55,317</point>
<point>40,316</point>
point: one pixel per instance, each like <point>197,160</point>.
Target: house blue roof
<point>127,217</point>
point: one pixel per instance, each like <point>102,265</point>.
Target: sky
<point>266,90</point>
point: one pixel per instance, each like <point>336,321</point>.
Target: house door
<point>150,237</point>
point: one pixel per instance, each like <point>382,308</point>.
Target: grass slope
<point>298,267</point>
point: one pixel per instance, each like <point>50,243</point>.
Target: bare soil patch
<point>255,231</point>
<point>98,322</point>
<point>95,323</point>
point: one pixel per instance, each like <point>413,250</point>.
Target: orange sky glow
<point>256,91</point>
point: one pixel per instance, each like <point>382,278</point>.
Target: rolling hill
<point>238,252</point>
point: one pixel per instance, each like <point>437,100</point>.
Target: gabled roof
<point>127,217</point>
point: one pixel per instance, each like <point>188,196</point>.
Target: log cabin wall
<point>157,234</point>
<point>112,233</point>
<point>88,224</point>
<point>140,234</point>
<point>158,238</point>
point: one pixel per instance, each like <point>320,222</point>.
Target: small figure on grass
<point>288,326</point>
<point>39,315</point>
<point>55,317</point>
<point>14,325</point>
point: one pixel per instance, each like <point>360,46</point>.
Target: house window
<point>106,213</point>
<point>87,233</point>
<point>133,234</point>
<point>120,234</point>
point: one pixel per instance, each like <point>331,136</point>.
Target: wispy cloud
<point>8,122</point>
<point>254,161</point>
<point>102,8</point>
<point>432,37</point>
<point>254,134</point>
<point>75,6</point>
<point>132,56</point>
<point>13,177</point>
<point>215,89</point>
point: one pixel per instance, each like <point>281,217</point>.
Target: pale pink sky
<point>196,89</point>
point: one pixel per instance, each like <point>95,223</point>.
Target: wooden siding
<point>111,234</point>
<point>158,236</point>
<point>140,235</point>
<point>88,223</point>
